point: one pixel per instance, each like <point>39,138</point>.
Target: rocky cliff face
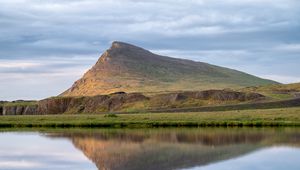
<point>95,104</point>
<point>121,100</point>
<point>218,95</point>
<point>19,110</point>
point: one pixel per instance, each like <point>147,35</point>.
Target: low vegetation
<point>257,118</point>
<point>277,91</point>
<point>18,103</point>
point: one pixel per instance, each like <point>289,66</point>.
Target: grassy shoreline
<point>242,118</point>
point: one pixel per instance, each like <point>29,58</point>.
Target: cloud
<point>49,65</point>
<point>40,78</point>
<point>43,37</point>
<point>288,47</point>
<point>23,65</point>
<point>19,164</point>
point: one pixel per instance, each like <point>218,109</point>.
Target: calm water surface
<point>152,149</point>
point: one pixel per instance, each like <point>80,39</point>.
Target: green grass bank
<point>247,118</point>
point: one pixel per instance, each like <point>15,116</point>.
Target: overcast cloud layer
<point>45,45</point>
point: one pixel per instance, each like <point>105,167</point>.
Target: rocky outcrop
<point>60,105</point>
<point>214,96</point>
<point>18,107</point>
<point>117,101</point>
<point>297,95</point>
<point>54,105</point>
<point>95,104</point>
<point>18,110</point>
<point>224,95</point>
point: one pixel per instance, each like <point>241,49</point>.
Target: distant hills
<point>128,68</point>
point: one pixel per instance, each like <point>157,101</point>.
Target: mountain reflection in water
<point>149,149</point>
<point>169,149</point>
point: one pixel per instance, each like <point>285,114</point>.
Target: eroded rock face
<point>31,110</point>
<point>297,94</point>
<point>116,102</point>
<point>95,104</point>
<point>218,95</point>
<point>60,105</point>
<point>18,110</point>
<point>223,95</point>
<point>54,105</point>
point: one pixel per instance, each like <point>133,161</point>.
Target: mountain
<point>128,68</point>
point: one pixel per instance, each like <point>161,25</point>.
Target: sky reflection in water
<point>273,158</point>
<point>33,151</point>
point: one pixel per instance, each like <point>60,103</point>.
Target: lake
<point>151,149</point>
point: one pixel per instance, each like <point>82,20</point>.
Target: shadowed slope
<point>128,68</point>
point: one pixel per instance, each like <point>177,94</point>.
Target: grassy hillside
<point>128,68</point>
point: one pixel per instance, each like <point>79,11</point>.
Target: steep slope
<point>128,68</point>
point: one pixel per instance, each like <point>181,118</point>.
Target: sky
<point>45,45</point>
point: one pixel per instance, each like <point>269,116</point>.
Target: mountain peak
<point>119,44</point>
<point>122,50</point>
<point>123,45</point>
